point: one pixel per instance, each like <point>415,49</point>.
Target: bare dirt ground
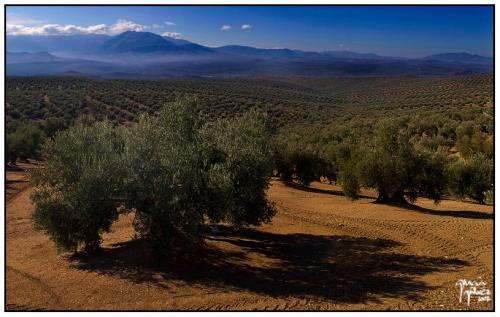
<point>321,252</point>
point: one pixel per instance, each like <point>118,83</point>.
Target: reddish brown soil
<point>321,252</point>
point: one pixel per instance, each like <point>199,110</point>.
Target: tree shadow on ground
<point>334,268</point>
<point>469,214</point>
<point>319,190</point>
<point>9,182</point>
<point>459,214</point>
<point>14,168</point>
<point>23,308</point>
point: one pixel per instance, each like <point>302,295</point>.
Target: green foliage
<point>174,170</point>
<point>24,143</point>
<point>389,166</point>
<point>294,158</point>
<point>288,101</point>
<point>430,178</point>
<point>53,125</point>
<point>350,181</point>
<point>472,138</point>
<point>181,170</point>
<point>471,177</point>
<point>308,167</point>
<point>401,159</point>
<point>397,170</point>
<point>282,157</point>
<point>237,158</point>
<point>78,185</point>
<point>347,159</point>
<point>191,163</point>
<point>164,180</point>
<point>329,163</point>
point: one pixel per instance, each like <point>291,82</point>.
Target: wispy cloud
<point>246,26</point>
<point>169,23</point>
<point>174,35</point>
<point>71,29</point>
<point>225,27</point>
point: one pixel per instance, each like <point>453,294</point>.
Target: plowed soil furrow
<point>320,252</point>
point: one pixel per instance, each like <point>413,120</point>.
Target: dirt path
<point>321,251</point>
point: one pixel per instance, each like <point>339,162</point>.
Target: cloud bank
<point>71,29</point>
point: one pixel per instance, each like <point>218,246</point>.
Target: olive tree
<point>283,157</point>
<point>237,159</point>
<point>24,143</point>
<point>78,186</point>
<point>430,178</point>
<point>164,179</point>
<point>293,158</point>
<point>174,170</point>
<point>182,171</point>
<point>397,170</point>
<point>347,158</point>
<point>308,167</point>
<point>471,177</point>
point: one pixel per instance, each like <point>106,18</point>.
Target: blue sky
<point>409,31</point>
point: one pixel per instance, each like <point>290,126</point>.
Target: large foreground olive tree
<point>164,179</point>
<point>174,170</point>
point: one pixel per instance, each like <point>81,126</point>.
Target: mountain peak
<point>150,43</point>
<point>136,42</point>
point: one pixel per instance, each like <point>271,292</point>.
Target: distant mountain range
<point>461,58</point>
<point>148,55</point>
